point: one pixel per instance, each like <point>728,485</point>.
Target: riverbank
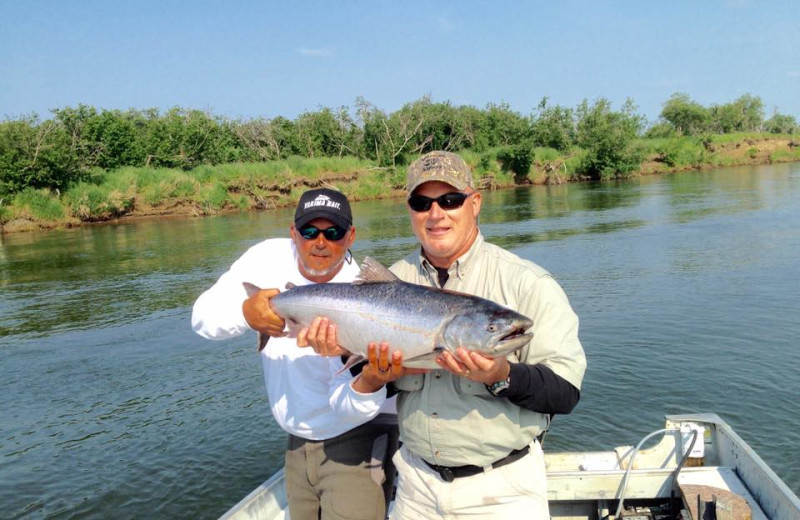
<point>137,193</point>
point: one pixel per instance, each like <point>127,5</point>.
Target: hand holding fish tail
<point>382,368</point>
<point>475,366</point>
<point>259,315</point>
<point>321,336</point>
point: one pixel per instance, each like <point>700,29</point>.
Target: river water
<point>686,286</point>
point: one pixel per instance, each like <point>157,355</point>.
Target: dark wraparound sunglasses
<point>447,201</point>
<point>333,233</point>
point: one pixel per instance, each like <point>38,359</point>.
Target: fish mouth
<point>511,341</point>
<point>516,338</point>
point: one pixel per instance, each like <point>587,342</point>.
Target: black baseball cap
<point>323,203</point>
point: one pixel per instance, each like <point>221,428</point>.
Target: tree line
<point>79,141</point>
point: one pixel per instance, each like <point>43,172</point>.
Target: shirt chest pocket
<point>411,383</point>
<point>468,387</point>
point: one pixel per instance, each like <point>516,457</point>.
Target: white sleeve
<point>217,313</point>
<point>352,407</point>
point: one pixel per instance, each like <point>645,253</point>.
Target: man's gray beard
<point>321,272</point>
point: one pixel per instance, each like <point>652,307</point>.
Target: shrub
<point>517,159</point>
<point>573,165</point>
<point>607,137</point>
<point>686,117</point>
<point>661,130</point>
<point>546,154</point>
<point>781,124</point>
<point>680,151</point>
<point>553,127</point>
<point>36,154</point>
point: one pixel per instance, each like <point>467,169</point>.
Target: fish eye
<point>492,327</point>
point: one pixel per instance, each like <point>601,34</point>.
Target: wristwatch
<point>499,388</point>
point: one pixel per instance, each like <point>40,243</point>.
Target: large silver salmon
<point>419,321</point>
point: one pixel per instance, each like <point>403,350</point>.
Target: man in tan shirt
<point>470,430</point>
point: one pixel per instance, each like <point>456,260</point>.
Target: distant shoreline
<point>747,151</point>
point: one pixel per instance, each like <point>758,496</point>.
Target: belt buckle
<point>446,474</point>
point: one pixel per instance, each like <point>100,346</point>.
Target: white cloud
<point>316,53</point>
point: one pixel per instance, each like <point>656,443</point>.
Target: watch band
<point>499,388</point>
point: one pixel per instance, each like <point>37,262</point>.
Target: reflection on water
<point>685,286</point>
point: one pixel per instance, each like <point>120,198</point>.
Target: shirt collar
<point>462,264</point>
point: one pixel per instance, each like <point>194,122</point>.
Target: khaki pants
<point>517,490</point>
<point>349,477</point>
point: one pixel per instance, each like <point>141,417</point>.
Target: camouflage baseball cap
<point>439,166</point>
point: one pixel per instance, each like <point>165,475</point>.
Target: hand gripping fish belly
<point>419,321</point>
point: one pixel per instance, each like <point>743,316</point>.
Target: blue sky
<point>265,59</point>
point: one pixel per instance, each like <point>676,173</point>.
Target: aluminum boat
<point>695,468</point>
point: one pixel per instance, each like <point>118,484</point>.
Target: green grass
<point>212,198</point>
<point>38,205</point>
<point>573,163</point>
<point>92,203</point>
<point>735,138</point>
<point>682,152</point>
<point>785,155</point>
<point>543,154</point>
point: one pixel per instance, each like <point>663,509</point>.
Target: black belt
<point>449,473</point>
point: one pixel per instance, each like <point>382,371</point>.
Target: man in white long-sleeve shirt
<point>338,464</point>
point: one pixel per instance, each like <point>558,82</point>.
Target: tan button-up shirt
<point>451,421</point>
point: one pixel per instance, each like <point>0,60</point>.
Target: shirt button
<point>436,452</point>
<point>437,375</point>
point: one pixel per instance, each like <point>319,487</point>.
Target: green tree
<point>36,154</point>
<point>470,123</point>
<point>553,126</point>
<point>687,117</point>
<point>326,133</point>
<point>185,139</point>
<point>745,114</point>
<point>607,137</point>
<point>659,130</point>
<point>518,159</point>
<point>781,124</point>
<point>75,121</point>
<point>440,129</point>
<point>504,126</point>
<point>389,139</point>
<point>265,139</point>
<point>112,138</point>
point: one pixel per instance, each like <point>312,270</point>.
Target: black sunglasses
<point>447,201</point>
<point>333,233</point>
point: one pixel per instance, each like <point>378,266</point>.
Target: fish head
<point>493,332</point>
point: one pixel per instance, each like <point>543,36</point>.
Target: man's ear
<point>476,202</point>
